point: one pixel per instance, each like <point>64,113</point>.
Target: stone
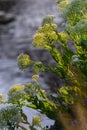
<point>6,4</point>
<point>6,18</point>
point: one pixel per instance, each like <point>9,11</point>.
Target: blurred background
<point>19,21</point>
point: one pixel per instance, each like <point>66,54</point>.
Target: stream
<point>16,37</point>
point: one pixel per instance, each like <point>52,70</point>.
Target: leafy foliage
<point>71,64</point>
<point>10,115</point>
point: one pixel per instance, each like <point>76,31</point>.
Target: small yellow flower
<point>63,36</point>
<point>51,16</point>
<point>17,88</point>
<point>76,89</point>
<point>48,19</point>
<point>54,26</point>
<point>47,28</point>
<point>39,40</point>
<point>16,94</point>
<point>52,35</point>
<point>23,61</point>
<point>45,35</point>
<point>1,97</point>
<point>36,120</point>
<point>35,77</point>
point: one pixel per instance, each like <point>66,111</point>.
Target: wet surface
<point>16,38</point>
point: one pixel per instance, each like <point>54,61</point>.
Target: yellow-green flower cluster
<point>23,61</point>
<point>47,28</point>
<point>47,19</point>
<point>52,36</point>
<point>37,67</point>
<point>36,120</point>
<point>39,40</point>
<point>35,77</point>
<point>17,88</point>
<point>45,35</point>
<point>63,37</point>
<point>16,94</point>
<point>1,98</point>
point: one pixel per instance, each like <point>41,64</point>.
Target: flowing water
<point>16,38</point>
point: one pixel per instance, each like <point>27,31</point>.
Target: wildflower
<point>16,94</point>
<point>52,36</point>
<point>47,28</point>
<point>37,67</point>
<point>16,88</point>
<point>39,40</point>
<point>29,86</point>
<point>1,98</point>
<point>35,77</point>
<point>10,115</point>
<point>49,32</point>
<point>63,36</point>
<point>76,90</point>
<point>36,120</point>
<point>23,61</point>
<point>48,19</point>
<point>29,89</point>
<point>45,35</point>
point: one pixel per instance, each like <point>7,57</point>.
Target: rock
<point>6,4</point>
<point>6,18</point>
